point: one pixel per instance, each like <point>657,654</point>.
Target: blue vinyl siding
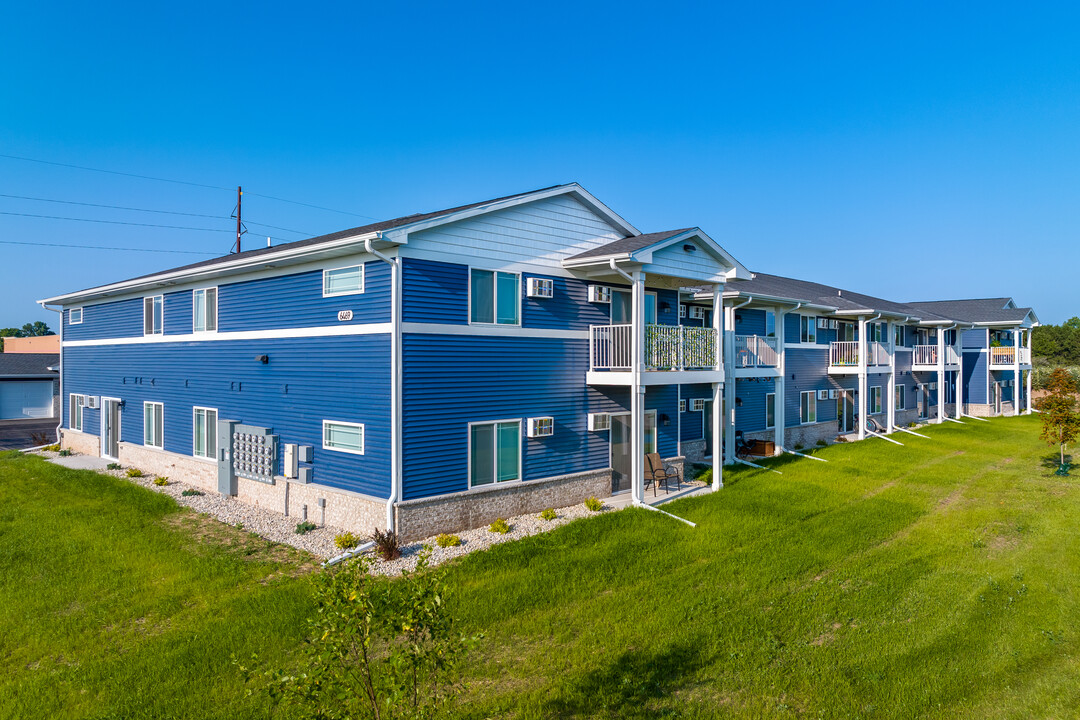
<point>306,381</point>
<point>434,292</point>
<point>975,338</point>
<point>664,399</point>
<point>667,307</point>
<point>569,309</point>
<point>975,369</point>
<point>694,322</point>
<point>693,423</point>
<point>177,313</point>
<point>750,404</point>
<point>117,319</point>
<point>791,328</point>
<point>750,322</point>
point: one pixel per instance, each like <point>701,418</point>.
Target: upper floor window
<point>204,310</point>
<point>75,316</point>
<point>770,323</point>
<point>898,335</point>
<point>807,329</point>
<point>152,315</point>
<point>494,297</point>
<point>876,332</point>
<point>343,281</point>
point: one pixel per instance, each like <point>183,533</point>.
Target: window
<point>875,400</point>
<point>876,332</point>
<point>900,399</point>
<point>343,281</point>
<point>152,319</point>
<point>494,297</point>
<point>204,310</point>
<point>898,335</point>
<point>205,441</point>
<point>770,323</point>
<point>682,406</point>
<point>697,404</point>
<point>153,424</point>
<point>75,316</point>
<point>770,410</point>
<point>697,312</point>
<point>807,407</point>
<point>494,452</point>
<point>343,437</point>
<point>77,402</point>
<point>807,329</point>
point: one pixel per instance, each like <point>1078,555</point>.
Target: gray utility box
<point>225,474</point>
<point>245,451</point>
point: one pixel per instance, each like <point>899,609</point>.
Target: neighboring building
<point>38,344</point>
<point>29,386</point>
<point>434,372</point>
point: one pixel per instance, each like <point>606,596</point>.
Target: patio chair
<point>650,479</point>
<point>742,448</point>
<point>661,473</point>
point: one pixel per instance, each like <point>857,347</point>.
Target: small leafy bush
<point>161,481</point>
<point>446,540</point>
<point>500,526</point>
<point>799,447</point>
<point>822,443</point>
<point>386,544</point>
<point>191,492</point>
<point>346,541</point>
<point>113,466</point>
<point>133,472</point>
<point>593,504</point>
<point>305,527</point>
<point>548,514</point>
<point>55,447</point>
<point>64,453</point>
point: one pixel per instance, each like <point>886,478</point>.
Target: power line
<point>113,222</point>
<point>317,207</point>
<point>102,247</point>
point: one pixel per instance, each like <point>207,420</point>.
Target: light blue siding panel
<point>569,309</point>
<point>435,292</point>
<point>118,319</point>
<point>305,382</point>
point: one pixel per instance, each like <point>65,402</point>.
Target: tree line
<point>1057,345</point>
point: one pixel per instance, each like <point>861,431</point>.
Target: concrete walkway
<point>82,462</point>
<point>624,499</point>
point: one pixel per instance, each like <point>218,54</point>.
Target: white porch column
<point>780,385</point>
<point>637,388</point>
<point>1028,384</point>
<point>890,416</point>
<point>1016,371</point>
<point>959,374</point>
<point>727,409</point>
<point>717,428</point>
<point>863,346</point>
<point>940,375</point>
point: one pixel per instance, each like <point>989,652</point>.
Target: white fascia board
<point>759,299</point>
<point>286,256</point>
<point>883,313</point>
<point>400,234</point>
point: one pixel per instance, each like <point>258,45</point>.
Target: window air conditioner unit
<point>834,394</point>
<point>91,401</point>
<point>933,386</point>
<point>599,421</point>
<point>697,312</point>
<point>697,405</point>
<point>822,394</point>
<point>682,310</point>
<point>823,323</point>
<point>682,406</point>
<point>541,427</point>
<point>540,288</point>
<point>599,294</point>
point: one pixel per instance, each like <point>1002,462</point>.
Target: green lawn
<point>939,579</point>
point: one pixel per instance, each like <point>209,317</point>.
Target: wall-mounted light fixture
<point>689,247</point>
<point>264,359</point>
<point>664,419</point>
<point>738,402</point>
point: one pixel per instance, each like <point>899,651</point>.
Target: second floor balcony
<point>755,351</point>
<point>925,358</point>
<point>844,357</point>
<point>1006,357</point>
<point>668,349</point>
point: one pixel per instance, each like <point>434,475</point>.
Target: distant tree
<point>36,329</point>
<point>1061,422</point>
<point>1072,323</point>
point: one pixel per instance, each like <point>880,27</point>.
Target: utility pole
<point>239,197</point>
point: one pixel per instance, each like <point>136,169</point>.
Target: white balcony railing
<point>928,355</point>
<point>756,351</point>
<point>846,353</point>
<point>1007,356</point>
<point>667,347</point>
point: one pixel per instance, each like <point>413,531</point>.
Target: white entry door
<point>110,428</point>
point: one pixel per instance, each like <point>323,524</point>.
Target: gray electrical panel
<point>304,476</point>
<point>306,454</point>
<point>288,468</point>
<point>226,476</point>
<point>254,453</point>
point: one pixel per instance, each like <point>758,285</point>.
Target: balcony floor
<point>654,377</point>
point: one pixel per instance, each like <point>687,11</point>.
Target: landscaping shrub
<point>548,514</point>
<point>500,526</point>
<point>822,443</point>
<point>386,544</point>
<point>446,540</point>
<point>595,505</point>
<point>304,528</point>
<point>113,466</point>
<point>346,541</point>
<point>191,492</point>
<point>161,481</point>
<point>133,472</point>
<point>55,447</point>
<point>64,453</point>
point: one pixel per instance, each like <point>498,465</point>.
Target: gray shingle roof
<point>28,364</point>
<point>827,295</point>
<point>627,245</point>
<point>976,310</point>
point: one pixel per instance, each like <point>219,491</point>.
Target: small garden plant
<point>64,453</point>
<point>346,541</point>
<point>548,514</point>
<point>305,527</point>
<point>191,492</point>
<point>133,472</point>
<point>161,481</point>
<point>113,466</point>
<point>386,544</point>
<point>446,540</point>
<point>500,526</point>
<point>593,505</point>
<point>55,447</point>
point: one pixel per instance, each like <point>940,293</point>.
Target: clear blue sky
<point>909,151</point>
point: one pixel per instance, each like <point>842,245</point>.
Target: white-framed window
<point>682,406</point>
<point>494,297</point>
<point>541,427</point>
<point>153,424</point>
<point>875,400</point>
<point>76,403</point>
<point>770,410</point>
<point>599,421</point>
<point>494,452</point>
<point>898,335</point>
<point>770,324</point>
<point>343,436</point>
<point>540,288</point>
<point>343,281</point>
<point>697,404</point>
<point>75,316</point>
<point>807,407</point>
<point>807,329</point>
<point>204,310</point>
<point>900,399</point>
<point>697,312</point>
<point>153,319</point>
<point>204,440</point>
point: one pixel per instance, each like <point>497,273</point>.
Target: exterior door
<point>622,307</point>
<point>845,411</point>
<point>995,397</point>
<point>922,393</point>
<point>110,428</point>
<point>620,453</point>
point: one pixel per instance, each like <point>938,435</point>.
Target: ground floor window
<point>77,404</point>
<point>494,452</point>
<point>770,410</point>
<point>900,399</point>
<point>344,437</point>
<point>153,424</point>
<point>807,407</point>
<point>875,400</point>
<point>205,441</point>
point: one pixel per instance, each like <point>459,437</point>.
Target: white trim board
<point>493,331</point>
<point>279,333</point>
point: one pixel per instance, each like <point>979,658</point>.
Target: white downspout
<point>60,390</point>
<point>395,382</point>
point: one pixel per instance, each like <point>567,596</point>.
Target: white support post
<point>1016,372</point>
<point>727,409</point>
<point>780,385</point>
<point>718,420</point>
<point>959,374</point>
<point>863,347</point>
<point>940,375</point>
<point>637,388</point>
<point>890,417</point>
<point>1028,384</point>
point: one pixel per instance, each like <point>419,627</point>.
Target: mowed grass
<point>939,579</point>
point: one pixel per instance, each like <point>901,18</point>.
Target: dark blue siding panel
<point>667,307</point>
<point>121,318</point>
<point>306,381</point>
<point>750,322</point>
<point>568,309</point>
<point>975,370</point>
<point>178,317</point>
<point>750,403</point>
<point>435,292</point>
<point>693,422</point>
<point>664,399</point>
<point>791,328</point>
<point>974,338</point>
<point>809,370</point>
